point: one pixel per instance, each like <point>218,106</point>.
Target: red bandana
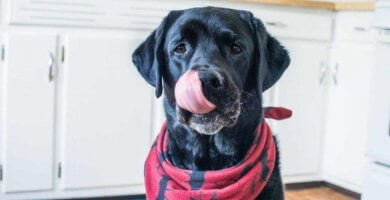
<point>246,180</point>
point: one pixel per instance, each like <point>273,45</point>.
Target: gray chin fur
<point>206,129</point>
<point>212,123</point>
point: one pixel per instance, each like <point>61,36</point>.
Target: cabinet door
<point>27,113</point>
<point>300,90</point>
<point>2,109</point>
<point>347,115</point>
<point>379,123</point>
<point>107,113</point>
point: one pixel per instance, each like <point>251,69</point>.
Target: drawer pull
<point>51,65</point>
<point>277,24</point>
<point>361,29</point>
<point>322,72</point>
<point>335,74</point>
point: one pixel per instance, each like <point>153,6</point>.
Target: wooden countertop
<point>320,4</point>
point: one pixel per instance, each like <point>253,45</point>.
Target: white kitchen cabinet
<point>106,113</point>
<point>300,90</point>
<point>347,115</point>
<point>88,134</point>
<point>27,103</point>
<point>378,146</point>
<point>377,176</point>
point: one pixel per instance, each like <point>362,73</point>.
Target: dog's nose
<point>213,79</point>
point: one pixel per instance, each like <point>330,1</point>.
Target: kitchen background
<point>76,119</point>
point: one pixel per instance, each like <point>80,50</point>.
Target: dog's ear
<point>277,60</point>
<point>149,57</point>
<point>272,58</point>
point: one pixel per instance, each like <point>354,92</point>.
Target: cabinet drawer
<point>294,23</point>
<point>146,15</point>
<point>122,14</point>
<point>354,26</point>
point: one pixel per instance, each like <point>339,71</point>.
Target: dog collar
<point>245,180</point>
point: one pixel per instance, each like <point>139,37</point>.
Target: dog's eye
<point>180,49</point>
<point>235,49</point>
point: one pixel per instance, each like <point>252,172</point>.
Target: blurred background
<point>76,119</point>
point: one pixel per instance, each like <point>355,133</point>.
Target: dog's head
<point>209,60</point>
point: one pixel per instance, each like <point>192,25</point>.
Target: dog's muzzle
<point>207,100</point>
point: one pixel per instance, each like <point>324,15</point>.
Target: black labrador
<point>237,60</point>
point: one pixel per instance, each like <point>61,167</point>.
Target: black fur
<point>209,34</point>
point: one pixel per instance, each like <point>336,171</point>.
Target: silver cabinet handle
<point>51,66</point>
<point>322,72</point>
<point>2,52</point>
<point>277,24</point>
<point>335,73</point>
<point>361,29</point>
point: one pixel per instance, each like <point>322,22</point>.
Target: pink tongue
<point>189,94</point>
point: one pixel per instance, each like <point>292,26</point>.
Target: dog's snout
<point>213,79</point>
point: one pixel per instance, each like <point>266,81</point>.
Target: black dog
<point>236,60</point>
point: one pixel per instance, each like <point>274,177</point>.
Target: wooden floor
<point>318,193</point>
